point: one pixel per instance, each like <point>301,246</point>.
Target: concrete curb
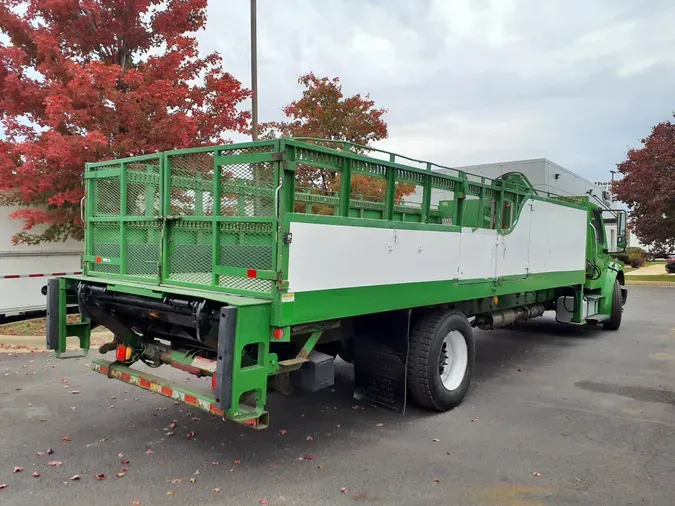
<point>635,282</point>
<point>28,344</point>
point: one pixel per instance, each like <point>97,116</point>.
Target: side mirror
<point>621,241</point>
<point>621,244</point>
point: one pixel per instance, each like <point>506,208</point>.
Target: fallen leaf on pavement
<point>75,392</point>
<point>113,397</point>
<point>172,425</point>
<point>120,474</point>
<point>55,463</point>
<point>309,457</point>
<point>320,467</point>
<point>193,480</point>
<point>149,452</point>
<point>169,434</point>
<point>216,490</point>
<point>100,476</point>
<point>283,432</point>
<point>536,474</point>
<point>103,440</point>
<point>264,501</point>
<point>75,477</point>
<point>124,461</point>
<point>436,440</point>
<point>36,474</point>
<point>309,438</point>
<point>190,434</point>
<point>344,490</point>
<point>170,493</point>
<point>215,463</point>
<point>135,503</point>
<point>176,480</point>
<point>111,406</point>
<point>436,480</point>
<point>474,419</point>
<point>17,469</point>
<point>3,485</point>
<point>237,462</point>
<point>379,425</point>
<point>49,451</point>
<point>196,473</point>
<point>66,438</point>
<point>41,454</point>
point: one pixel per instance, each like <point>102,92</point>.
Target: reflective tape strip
<point>40,275</point>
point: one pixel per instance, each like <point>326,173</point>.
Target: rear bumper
<point>250,418</point>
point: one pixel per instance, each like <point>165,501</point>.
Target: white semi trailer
<point>24,269</point>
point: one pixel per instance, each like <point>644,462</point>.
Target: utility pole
<point>612,172</point>
<point>254,72</point>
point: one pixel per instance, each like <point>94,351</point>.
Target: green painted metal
<point>329,304</point>
<point>81,329</point>
<point>213,223</point>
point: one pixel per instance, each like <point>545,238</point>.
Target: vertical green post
<point>345,186</point>
<point>165,197</point>
<point>481,203</point>
<point>123,214</point>
<point>215,224</point>
<point>391,190</point>
<point>88,213</point>
<point>426,196</point>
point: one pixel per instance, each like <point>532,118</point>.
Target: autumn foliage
<point>648,188</point>
<point>324,112</point>
<point>85,80</point>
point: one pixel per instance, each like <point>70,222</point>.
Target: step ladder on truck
<point>218,262</point>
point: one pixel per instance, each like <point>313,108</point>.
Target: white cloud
<point>472,81</point>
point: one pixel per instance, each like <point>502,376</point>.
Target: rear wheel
<point>440,360</point>
<point>614,321</point>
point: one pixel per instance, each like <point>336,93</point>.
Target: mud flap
<point>380,359</point>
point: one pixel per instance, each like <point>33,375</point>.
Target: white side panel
<point>478,253</point>
<point>334,256</point>
<point>514,249</point>
<point>558,240</point>
<point>550,238</point>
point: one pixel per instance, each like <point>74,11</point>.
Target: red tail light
<point>278,334</point>
<point>123,353</point>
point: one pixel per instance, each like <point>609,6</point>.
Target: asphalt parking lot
<point>556,415</point>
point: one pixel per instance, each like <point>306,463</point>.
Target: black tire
<point>424,356</point>
<point>614,321</point>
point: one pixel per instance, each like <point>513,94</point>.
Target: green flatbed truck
<point>217,262</point>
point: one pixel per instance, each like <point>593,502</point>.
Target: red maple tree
<point>85,80</point>
<point>648,188</point>
<point>324,112</point>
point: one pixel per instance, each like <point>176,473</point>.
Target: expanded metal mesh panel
<point>191,252</point>
<point>191,192</point>
<point>247,151</point>
<point>143,180</point>
<point>247,189</point>
<point>247,245</point>
<point>143,249</point>
<point>107,197</point>
<point>247,284</point>
<point>106,245</point>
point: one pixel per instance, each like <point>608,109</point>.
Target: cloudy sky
<point>472,81</point>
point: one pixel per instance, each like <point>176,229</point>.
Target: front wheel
<point>440,360</point>
<point>614,321</point>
